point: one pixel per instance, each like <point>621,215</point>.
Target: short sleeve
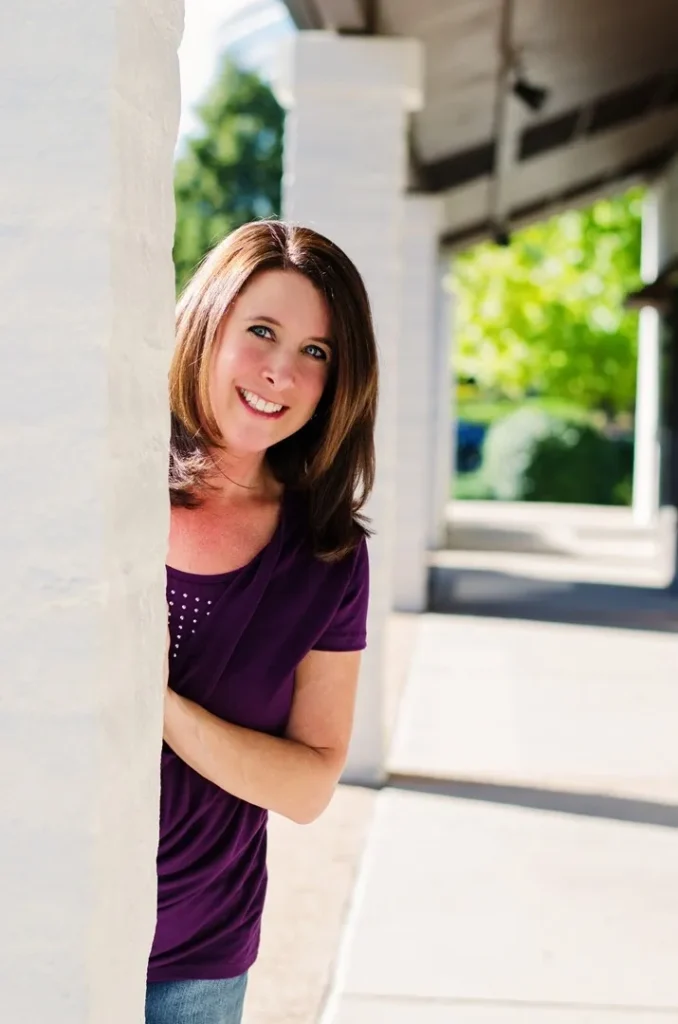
<point>347,630</point>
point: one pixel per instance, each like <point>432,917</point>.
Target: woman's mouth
<point>259,406</point>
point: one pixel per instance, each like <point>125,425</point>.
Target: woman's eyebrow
<point>266,319</point>
<point>276,323</point>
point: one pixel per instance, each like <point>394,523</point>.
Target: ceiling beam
<point>458,168</point>
<point>345,15</point>
<point>304,14</point>
<point>658,293</point>
<point>583,192</point>
<point>603,114</point>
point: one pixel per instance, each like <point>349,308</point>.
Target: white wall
<point>668,222</point>
<point>418,394</point>
<point>89,108</point>
<point>646,463</point>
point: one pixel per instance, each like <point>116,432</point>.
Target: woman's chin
<point>250,443</point>
<point>255,440</point>
<point>245,449</point>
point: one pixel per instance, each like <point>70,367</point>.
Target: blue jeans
<point>196,1002</point>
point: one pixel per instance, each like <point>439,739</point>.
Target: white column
<point>443,410</point>
<point>417,400</point>
<point>89,109</point>
<point>647,415</point>
<point>345,174</point>
<point>668,249</point>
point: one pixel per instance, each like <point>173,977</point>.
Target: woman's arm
<point>294,776</point>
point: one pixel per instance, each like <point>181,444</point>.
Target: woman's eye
<point>266,332</point>
<point>317,352</point>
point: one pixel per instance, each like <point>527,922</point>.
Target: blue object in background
<point>470,439</point>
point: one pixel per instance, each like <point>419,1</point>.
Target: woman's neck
<point>241,477</point>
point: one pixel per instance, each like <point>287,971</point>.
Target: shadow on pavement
<point>590,805</point>
<point>505,595</point>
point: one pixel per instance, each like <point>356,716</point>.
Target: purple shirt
<point>236,641</point>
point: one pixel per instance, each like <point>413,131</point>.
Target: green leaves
<point>231,172</point>
<point>546,314</point>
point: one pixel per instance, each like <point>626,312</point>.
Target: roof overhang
<point>336,15</point>
<point>607,116</point>
<point>661,293</point>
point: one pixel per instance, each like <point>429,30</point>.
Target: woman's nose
<point>279,371</point>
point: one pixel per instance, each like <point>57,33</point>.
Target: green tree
<point>230,173</point>
<point>546,313</point>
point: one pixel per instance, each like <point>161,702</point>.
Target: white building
<point>406,140</point>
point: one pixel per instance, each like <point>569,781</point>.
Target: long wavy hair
<point>331,458</point>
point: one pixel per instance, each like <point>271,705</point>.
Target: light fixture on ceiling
<point>501,235</point>
<point>532,95</point>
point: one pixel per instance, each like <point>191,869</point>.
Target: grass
<point>470,487</point>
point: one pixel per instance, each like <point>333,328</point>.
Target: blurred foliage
<point>533,456</point>
<point>485,411</point>
<point>509,447</point>
<point>545,314</point>
<point>230,173</point>
<point>575,463</point>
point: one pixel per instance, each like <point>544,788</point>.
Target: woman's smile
<point>259,406</point>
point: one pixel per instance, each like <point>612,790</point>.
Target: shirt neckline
<point>218,577</point>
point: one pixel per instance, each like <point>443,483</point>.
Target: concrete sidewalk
<point>313,871</point>
<point>523,866</point>
<point>470,912</point>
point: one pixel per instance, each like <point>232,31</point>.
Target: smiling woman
<point>273,391</point>
<point>326,447</point>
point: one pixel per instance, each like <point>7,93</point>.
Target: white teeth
<point>259,403</point>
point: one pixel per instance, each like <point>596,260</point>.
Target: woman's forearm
<point>280,775</point>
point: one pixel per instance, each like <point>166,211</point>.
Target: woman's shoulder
<point>334,592</point>
<point>301,538</point>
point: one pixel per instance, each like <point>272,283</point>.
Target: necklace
<point>245,487</point>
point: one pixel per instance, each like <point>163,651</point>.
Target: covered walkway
<point>521,862</point>
<point>414,130</point>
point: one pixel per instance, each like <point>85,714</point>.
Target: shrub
<point>531,456</point>
<point>509,448</point>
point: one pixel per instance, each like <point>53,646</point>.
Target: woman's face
<point>271,361</point>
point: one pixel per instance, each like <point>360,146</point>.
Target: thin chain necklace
<point>245,487</point>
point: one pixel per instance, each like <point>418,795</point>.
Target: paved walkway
<point>312,872</point>
<point>523,866</point>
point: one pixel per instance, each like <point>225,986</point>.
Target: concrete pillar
<point>417,405</point>
<point>443,409</point>
<point>647,415</point>
<point>668,250</point>
<point>89,108</point>
<point>344,174</point>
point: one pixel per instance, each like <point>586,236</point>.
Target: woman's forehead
<point>287,296</point>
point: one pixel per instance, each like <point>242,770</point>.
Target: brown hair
<point>331,458</point>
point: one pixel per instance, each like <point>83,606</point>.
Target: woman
<point>273,391</point>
